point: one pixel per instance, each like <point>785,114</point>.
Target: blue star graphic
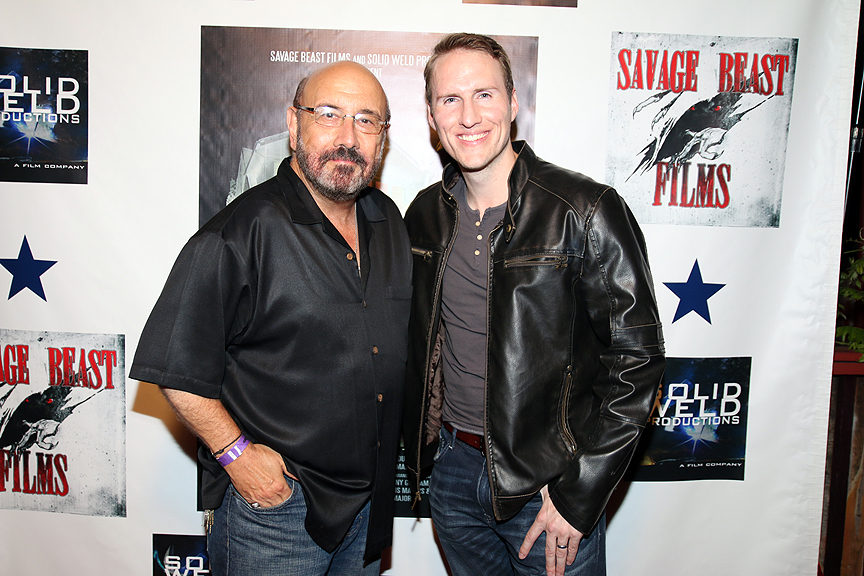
<point>26,271</point>
<point>693,294</point>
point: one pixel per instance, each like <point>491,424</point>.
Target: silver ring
<point>255,505</point>
<point>562,547</point>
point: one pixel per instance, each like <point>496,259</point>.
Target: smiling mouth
<point>472,137</point>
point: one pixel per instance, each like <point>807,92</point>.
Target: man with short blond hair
<point>536,346</point>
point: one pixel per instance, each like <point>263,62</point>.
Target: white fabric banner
<point>746,290</point>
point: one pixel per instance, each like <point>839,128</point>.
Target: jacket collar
<point>519,175</point>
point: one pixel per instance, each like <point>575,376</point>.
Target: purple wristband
<point>235,451</point>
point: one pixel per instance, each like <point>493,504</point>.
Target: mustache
<point>342,153</point>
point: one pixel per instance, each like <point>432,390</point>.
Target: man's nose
<point>469,115</point>
<point>346,134</point>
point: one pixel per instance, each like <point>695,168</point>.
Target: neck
<point>490,186</point>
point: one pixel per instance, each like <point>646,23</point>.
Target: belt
<point>472,440</point>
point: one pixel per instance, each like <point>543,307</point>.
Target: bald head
<point>335,158</point>
<point>345,76</point>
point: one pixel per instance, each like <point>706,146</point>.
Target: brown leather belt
<point>472,440</point>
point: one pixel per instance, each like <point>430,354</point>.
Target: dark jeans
<point>246,541</point>
<point>474,543</point>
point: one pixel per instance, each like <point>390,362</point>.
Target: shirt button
<point>477,223</point>
<point>476,252</point>
<point>374,350</point>
<point>380,397</point>
<point>350,256</point>
<point>479,237</point>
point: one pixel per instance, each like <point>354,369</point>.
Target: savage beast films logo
<point>698,127</point>
<point>43,115</point>
<point>62,422</point>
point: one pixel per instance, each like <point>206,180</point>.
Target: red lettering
<point>61,466</point>
<point>677,77</point>
<point>55,372</point>
<point>660,182</point>
<point>95,361</point>
<point>663,80</point>
<point>13,367</point>
<point>5,467</point>
<point>80,379</point>
<point>766,84</point>
<point>23,357</point>
<point>692,63</point>
<point>29,487</point>
<point>726,65</point>
<point>109,358</point>
<point>761,76</point>
<point>704,194</point>
<point>724,175</point>
<point>650,67</point>
<point>753,82</point>
<point>44,474</point>
<point>624,54</point>
<point>68,363</point>
<point>638,81</point>
<point>782,63</point>
<point>740,71</point>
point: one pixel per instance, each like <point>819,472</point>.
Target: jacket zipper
<point>425,254</point>
<point>565,402</point>
<point>490,255</point>
<point>432,329</point>
<point>558,260</point>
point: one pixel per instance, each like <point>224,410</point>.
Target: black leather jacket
<point>574,347</point>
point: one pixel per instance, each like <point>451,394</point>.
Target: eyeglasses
<point>332,118</point>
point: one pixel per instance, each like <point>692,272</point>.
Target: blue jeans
<point>474,543</point>
<point>246,541</point>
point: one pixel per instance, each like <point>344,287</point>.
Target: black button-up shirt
<point>266,310</point>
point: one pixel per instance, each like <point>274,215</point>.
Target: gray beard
<point>342,183</point>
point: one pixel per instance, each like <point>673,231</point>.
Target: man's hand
<point>559,532</point>
<point>258,475</point>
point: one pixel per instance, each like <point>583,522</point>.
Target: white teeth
<point>472,137</point>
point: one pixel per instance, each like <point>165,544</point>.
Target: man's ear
<point>291,119</point>
<point>514,106</point>
<point>430,119</point>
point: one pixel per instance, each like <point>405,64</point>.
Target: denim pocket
<point>266,509</point>
<point>445,441</point>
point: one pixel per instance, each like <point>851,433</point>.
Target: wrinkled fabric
<point>574,350</point>
<point>265,309</point>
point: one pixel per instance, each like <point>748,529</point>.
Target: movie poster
<point>698,426</point>
<point>63,422</point>
<point>248,80</point>
<point>405,506</point>
<point>180,555</point>
<point>698,127</point>
<point>43,115</point>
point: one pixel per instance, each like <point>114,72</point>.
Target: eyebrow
<point>476,91</point>
<point>366,111</point>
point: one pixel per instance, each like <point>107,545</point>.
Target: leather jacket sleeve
<point>617,290</point>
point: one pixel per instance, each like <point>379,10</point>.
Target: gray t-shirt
<point>463,312</point>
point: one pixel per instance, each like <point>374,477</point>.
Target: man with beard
<point>280,341</point>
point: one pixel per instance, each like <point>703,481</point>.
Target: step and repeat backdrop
<point>124,126</point>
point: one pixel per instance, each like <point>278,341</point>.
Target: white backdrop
<point>115,239</point>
